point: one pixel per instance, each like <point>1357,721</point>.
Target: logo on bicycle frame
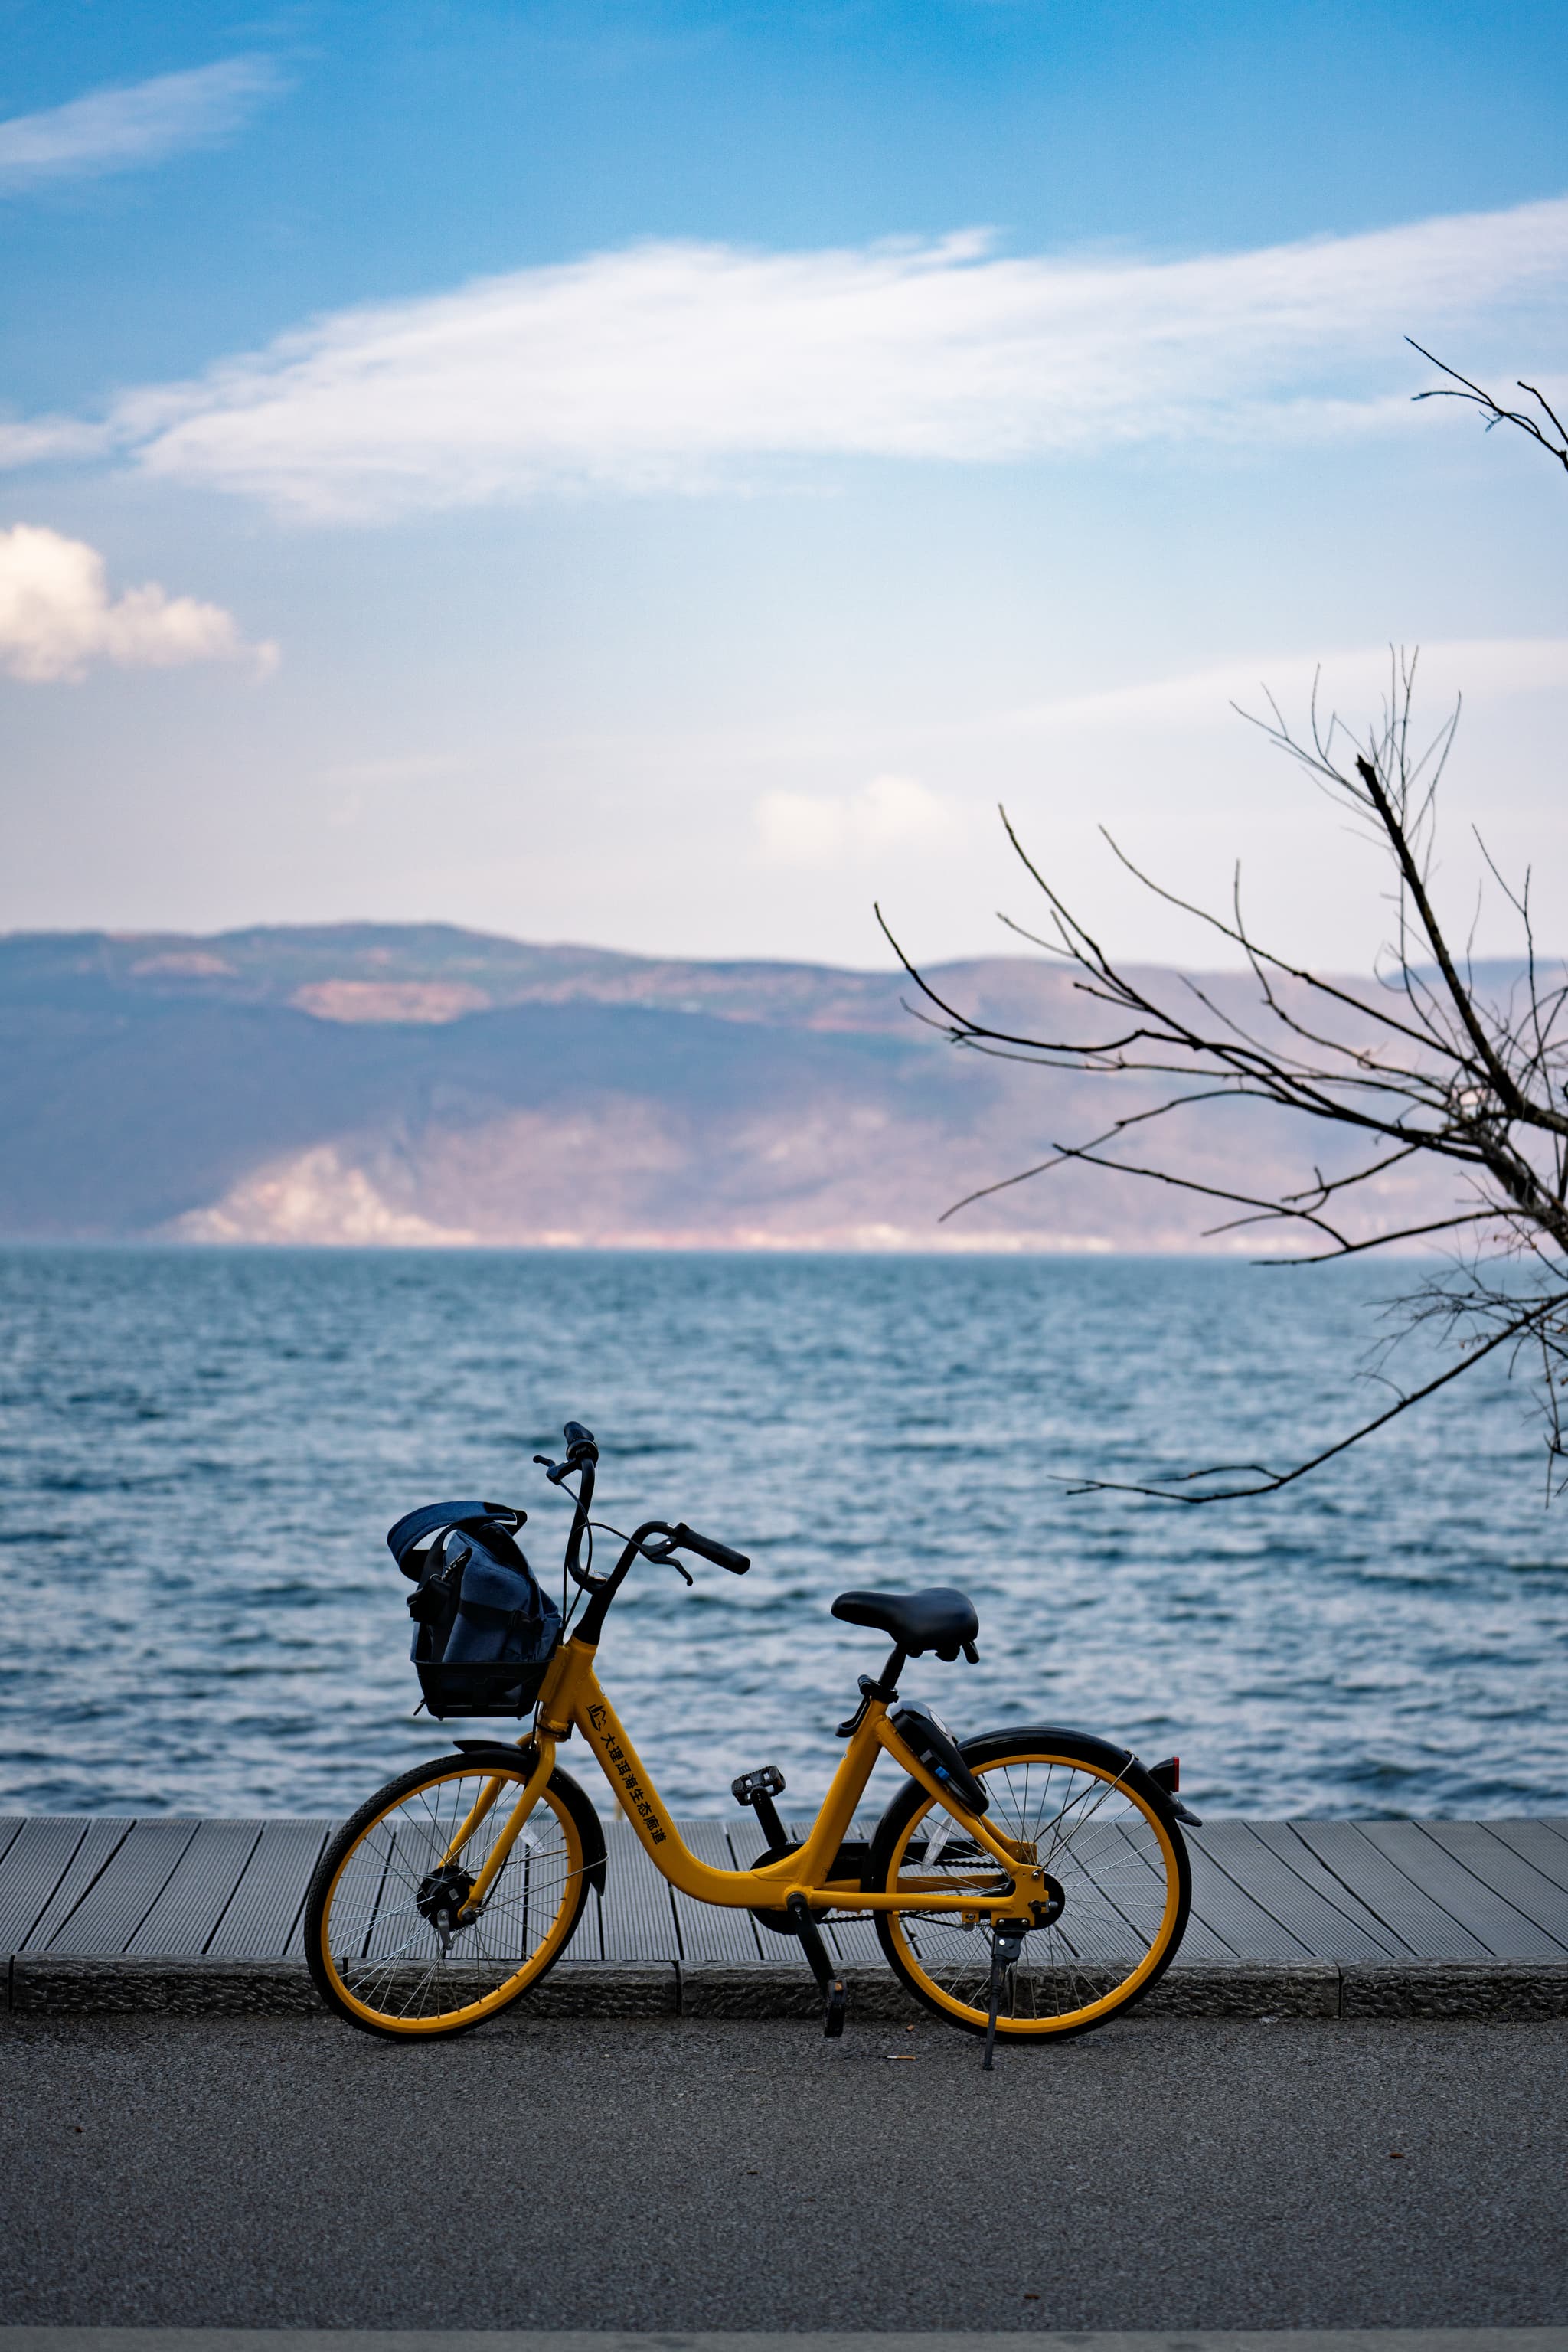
<point>633,1796</point>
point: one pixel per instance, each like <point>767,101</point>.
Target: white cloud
<point>56,616</point>
<point>890,812</point>
<point>1352,679</point>
<point>679,367</point>
<point>114,130</point>
<point>42,438</point>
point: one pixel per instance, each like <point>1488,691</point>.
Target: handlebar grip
<point>579,1439</point>
<point>688,1539</point>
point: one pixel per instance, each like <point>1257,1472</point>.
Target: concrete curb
<point>1245,1989</point>
<point>61,1986</point>
<point>1519,1990</point>
<point>1504,1991</point>
<point>56,1986</point>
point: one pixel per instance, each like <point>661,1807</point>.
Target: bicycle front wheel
<point>1118,1867</point>
<point>380,1937</point>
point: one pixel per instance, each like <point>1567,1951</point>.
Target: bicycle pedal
<point>836,2010</point>
<point>758,1790</point>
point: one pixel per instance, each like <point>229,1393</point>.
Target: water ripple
<point>200,1454</point>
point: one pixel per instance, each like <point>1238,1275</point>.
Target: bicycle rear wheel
<point>1122,1887</point>
<point>378,1939</point>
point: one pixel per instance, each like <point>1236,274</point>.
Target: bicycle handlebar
<point>582,1456</point>
<point>709,1547</point>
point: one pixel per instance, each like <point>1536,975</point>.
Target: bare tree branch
<point>1420,1064</point>
<point>1461,388</point>
<point>1269,1481</point>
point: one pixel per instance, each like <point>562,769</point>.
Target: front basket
<point>508,1687</point>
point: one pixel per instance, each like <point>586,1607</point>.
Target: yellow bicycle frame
<point>571,1698</point>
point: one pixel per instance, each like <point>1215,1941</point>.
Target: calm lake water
<point>202,1453</point>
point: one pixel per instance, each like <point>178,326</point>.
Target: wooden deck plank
<point>123,1893</point>
<point>1420,1924</point>
<point>706,1932</point>
<point>101,1841</point>
<point>1500,1895</point>
<point>854,1942</point>
<point>36,1862</point>
<point>1284,1892</point>
<point>638,1914</point>
<point>181,1920</point>
<point>1200,1941</point>
<point>1294,1851</point>
<point>263,1914</point>
<point>294,1950</point>
<point>1539,1844</point>
<point>1536,1893</point>
<point>1318,1924</point>
<point>1233,1915</point>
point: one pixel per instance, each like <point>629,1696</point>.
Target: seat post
<point>885,1687</point>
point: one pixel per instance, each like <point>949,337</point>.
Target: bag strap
<point>431,1519</point>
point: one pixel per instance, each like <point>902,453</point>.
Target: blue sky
<point>659,475</point>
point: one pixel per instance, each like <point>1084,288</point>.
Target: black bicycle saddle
<point>938,1619</point>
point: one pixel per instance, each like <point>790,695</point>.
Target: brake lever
<point>660,1550</point>
<point>554,1471</point>
<point>663,1552</point>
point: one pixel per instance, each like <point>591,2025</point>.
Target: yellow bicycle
<point>1030,1883</point>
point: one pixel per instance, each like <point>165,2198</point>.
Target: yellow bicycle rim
<point>391,1960</point>
<point>1117,1905</point>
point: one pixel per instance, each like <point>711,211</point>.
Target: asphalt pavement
<point>697,2176</point>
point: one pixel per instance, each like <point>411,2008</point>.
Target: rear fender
<point>590,1829</point>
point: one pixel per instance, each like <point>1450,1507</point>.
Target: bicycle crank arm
<point>830,1983</point>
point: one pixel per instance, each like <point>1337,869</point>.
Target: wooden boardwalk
<point>1287,1894</point>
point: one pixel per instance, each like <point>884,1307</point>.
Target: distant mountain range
<point>418,1084</point>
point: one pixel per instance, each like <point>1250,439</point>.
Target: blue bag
<point>484,1628</point>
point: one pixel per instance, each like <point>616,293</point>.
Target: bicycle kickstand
<point>830,1984</point>
<point>1006,1944</point>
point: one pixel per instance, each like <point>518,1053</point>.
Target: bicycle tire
<point>378,1959</point>
<point>1117,1854</point>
